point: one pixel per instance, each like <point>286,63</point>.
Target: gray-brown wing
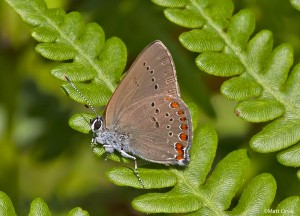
<point>152,73</point>
<point>160,129</point>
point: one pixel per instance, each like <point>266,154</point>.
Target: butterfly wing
<point>152,73</point>
<point>160,129</point>
<point>146,106</point>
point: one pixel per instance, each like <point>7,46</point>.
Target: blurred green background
<point>40,156</point>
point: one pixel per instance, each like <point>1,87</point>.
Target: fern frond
<point>255,200</point>
<point>93,64</point>
<point>194,191</point>
<point>262,83</point>
<point>81,48</point>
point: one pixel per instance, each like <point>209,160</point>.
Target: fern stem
<point>280,97</point>
<point>195,190</point>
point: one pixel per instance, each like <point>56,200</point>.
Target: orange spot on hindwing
<point>183,136</point>
<point>183,127</point>
<point>168,98</point>
<point>182,119</point>
<point>174,104</point>
<point>180,151</point>
<point>180,112</point>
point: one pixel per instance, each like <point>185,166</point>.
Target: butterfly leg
<point>109,150</point>
<point>93,143</point>
<point>126,155</point>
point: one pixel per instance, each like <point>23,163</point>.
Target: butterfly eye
<point>96,124</point>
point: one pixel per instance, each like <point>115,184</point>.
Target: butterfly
<point>145,117</point>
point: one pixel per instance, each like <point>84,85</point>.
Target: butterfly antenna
<point>83,97</point>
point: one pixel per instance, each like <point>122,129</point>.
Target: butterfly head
<point>96,124</point>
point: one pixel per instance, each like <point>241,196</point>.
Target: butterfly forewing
<point>152,73</point>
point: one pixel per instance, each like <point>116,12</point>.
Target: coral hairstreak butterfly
<point>146,117</point>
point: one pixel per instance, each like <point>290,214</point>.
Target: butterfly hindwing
<point>159,128</point>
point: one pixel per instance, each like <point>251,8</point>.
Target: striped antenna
<point>83,97</point>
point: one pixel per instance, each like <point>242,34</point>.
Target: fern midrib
<point>280,97</point>
<point>79,50</point>
<point>194,190</point>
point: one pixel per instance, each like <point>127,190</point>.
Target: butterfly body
<point>111,140</point>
